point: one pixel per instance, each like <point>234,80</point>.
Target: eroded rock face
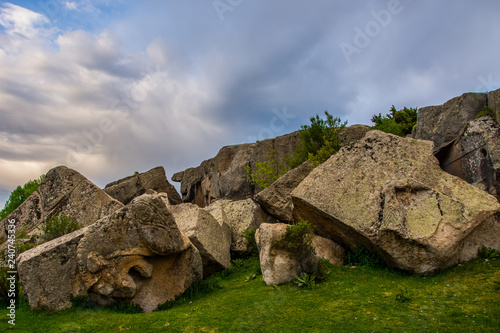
<point>136,253</point>
<point>475,155</point>
<point>279,265</point>
<point>443,123</point>
<point>353,133</point>
<point>222,177</point>
<point>389,194</point>
<point>240,216</point>
<point>63,191</point>
<point>210,238</point>
<point>126,189</point>
<point>494,103</point>
<point>276,199</point>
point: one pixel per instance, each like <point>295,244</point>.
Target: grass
<point>360,299</point>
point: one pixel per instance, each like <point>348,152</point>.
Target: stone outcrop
<point>279,265</point>
<point>389,194</point>
<point>223,176</point>
<point>494,103</point>
<point>443,123</point>
<point>136,253</point>
<point>126,189</point>
<point>210,238</point>
<point>276,199</point>
<point>475,155</point>
<point>353,133</point>
<point>63,191</point>
<point>240,216</point>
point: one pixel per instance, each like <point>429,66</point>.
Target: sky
<point>113,87</point>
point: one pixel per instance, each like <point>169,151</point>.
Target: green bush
<point>396,122</point>
<point>488,253</point>
<point>318,141</point>
<point>305,280</point>
<point>363,257</point>
<point>487,111</point>
<point>19,195</point>
<point>57,226</point>
<point>266,172</point>
<point>298,240</point>
<point>251,250</point>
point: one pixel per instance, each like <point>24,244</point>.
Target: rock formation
<point>63,191</point>
<point>443,123</point>
<point>276,199</point>
<point>389,194</point>
<point>136,253</point>
<point>494,103</point>
<point>223,176</point>
<point>279,265</point>
<point>126,189</point>
<point>240,216</point>
<point>475,155</point>
<point>210,238</point>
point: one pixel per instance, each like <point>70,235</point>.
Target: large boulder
<point>279,265</point>
<point>240,216</point>
<point>443,123</point>
<point>494,103</point>
<point>353,133</point>
<point>475,155</point>
<point>126,189</point>
<point>137,253</point>
<point>63,191</point>
<point>276,199</point>
<point>210,238</point>
<point>389,194</point>
<point>223,177</point>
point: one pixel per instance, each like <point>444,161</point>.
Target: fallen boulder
<point>63,191</point>
<point>136,253</point>
<point>223,177</point>
<point>126,189</point>
<point>276,199</point>
<point>389,195</point>
<point>279,265</point>
<point>443,123</point>
<point>475,155</point>
<point>210,238</point>
<point>240,216</point>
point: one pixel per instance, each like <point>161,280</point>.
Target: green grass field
<point>352,299</point>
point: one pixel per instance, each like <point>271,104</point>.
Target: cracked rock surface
<point>389,194</point>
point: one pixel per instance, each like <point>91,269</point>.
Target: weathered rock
<point>276,199</point>
<point>494,103</point>
<point>63,191</point>
<point>443,123</point>
<point>240,216</point>
<point>136,253</point>
<point>353,133</point>
<point>475,155</point>
<point>279,265</point>
<point>126,189</point>
<point>223,176</point>
<point>210,238</point>
<point>389,194</point>
<point>48,272</point>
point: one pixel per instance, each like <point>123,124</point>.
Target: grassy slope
<point>463,299</point>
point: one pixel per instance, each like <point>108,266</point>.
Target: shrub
<point>363,257</point>
<point>266,172</point>
<point>298,239</point>
<point>57,226</point>
<point>305,280</point>
<point>488,253</point>
<point>19,195</point>
<point>487,111</point>
<point>318,141</point>
<point>396,122</point>
<point>251,250</point>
